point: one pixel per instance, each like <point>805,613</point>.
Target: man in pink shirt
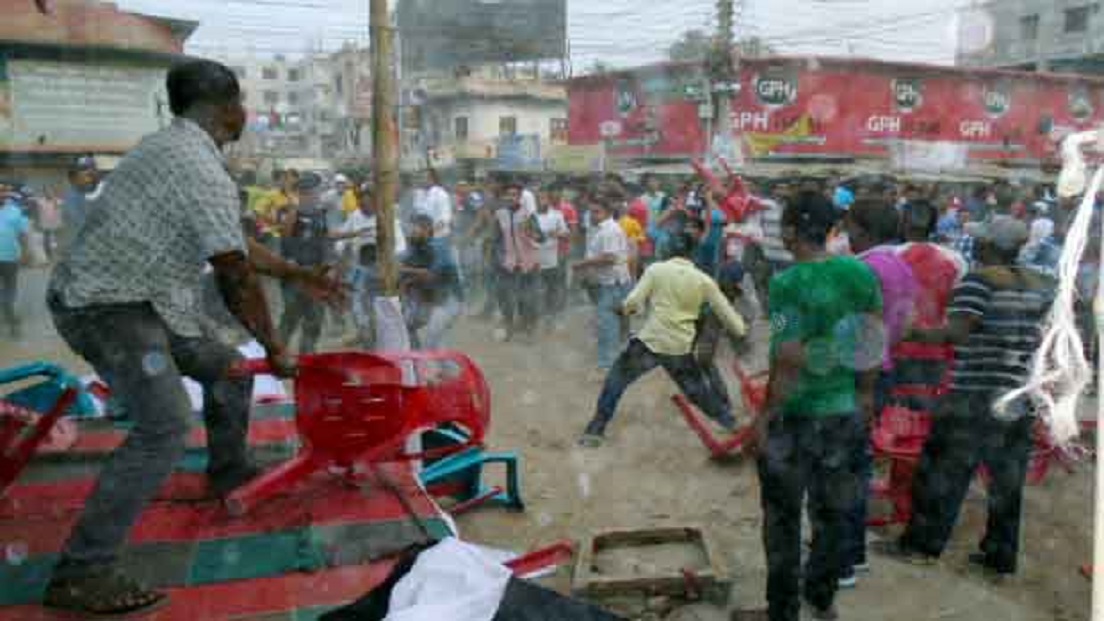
<point>872,226</point>
<point>520,277</point>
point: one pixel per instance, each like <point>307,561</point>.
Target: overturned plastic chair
<point>460,475</point>
<point>358,409</point>
<point>30,416</point>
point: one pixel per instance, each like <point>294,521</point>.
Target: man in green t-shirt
<point>826,349</point>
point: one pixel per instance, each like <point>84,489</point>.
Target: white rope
<point>1060,371</point>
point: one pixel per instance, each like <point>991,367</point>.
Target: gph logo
<point>775,90</point>
<point>997,100</point>
<point>908,94</point>
<point>626,98</point>
<point>1080,104</point>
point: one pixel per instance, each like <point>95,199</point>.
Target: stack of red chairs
<point>901,431</point>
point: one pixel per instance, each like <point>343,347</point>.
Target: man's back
<point>677,291</point>
<point>833,308</point>
<point>168,207</point>
<point>937,270</point>
<point>1011,303</point>
<point>899,293</point>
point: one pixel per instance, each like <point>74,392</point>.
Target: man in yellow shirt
<point>634,232</point>
<point>677,292</point>
<point>270,209</point>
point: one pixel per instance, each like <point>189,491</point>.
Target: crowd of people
<point>852,276</point>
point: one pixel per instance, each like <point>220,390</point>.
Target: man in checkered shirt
<point>127,298</point>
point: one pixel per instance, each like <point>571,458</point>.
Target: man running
<point>677,292</point>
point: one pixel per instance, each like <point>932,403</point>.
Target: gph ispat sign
<point>813,107</point>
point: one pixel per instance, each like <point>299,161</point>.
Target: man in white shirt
<point>606,269</point>
<point>358,239</point>
<point>437,205</point>
<point>554,229</point>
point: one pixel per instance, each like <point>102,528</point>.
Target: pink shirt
<point>899,290</point>
<point>520,252</point>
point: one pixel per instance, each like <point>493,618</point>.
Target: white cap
<point>340,178</point>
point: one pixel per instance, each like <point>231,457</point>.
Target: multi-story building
<point>483,120</point>
<point>1065,36</point>
<point>312,107</point>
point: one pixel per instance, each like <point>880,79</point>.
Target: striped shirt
<point>770,221</point>
<point>1011,304</point>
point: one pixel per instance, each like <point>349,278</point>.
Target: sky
<point>617,32</point>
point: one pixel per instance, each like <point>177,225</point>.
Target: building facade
<point>316,107</point>
<point>482,121</point>
<point>87,78</point>
<point>1063,36</point>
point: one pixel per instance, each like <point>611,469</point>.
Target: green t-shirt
<point>833,307</point>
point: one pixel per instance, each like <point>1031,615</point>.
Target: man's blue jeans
<point>145,363</point>
<point>608,299</point>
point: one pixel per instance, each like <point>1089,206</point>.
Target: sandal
<point>104,594</point>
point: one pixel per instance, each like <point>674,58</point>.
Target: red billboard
<point>813,107</point>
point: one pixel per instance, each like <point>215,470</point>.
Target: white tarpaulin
<point>452,580</point>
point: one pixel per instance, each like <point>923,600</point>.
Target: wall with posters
<point>814,107</point>
<point>56,106</point>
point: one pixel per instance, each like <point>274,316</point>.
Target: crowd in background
<point>519,247</point>
<point>966,270</point>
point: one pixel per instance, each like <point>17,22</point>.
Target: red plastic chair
<point>355,409</point>
<point>924,352</point>
<point>753,392</point>
<point>900,432</point>
<point>899,437</point>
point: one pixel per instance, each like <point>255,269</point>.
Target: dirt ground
<point>653,471</point>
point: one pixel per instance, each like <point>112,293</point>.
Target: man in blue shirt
<point>84,182</point>
<point>13,230</point>
<point>431,282</point>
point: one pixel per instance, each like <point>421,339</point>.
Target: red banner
<point>838,108</point>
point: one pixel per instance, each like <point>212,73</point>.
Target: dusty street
<point>653,471</point>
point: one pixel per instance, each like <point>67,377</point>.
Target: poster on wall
<point>918,117</point>
<point>79,106</point>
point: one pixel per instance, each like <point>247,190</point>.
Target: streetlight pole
<point>723,73</point>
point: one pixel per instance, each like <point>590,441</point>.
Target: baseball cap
<point>309,181</point>
<point>84,163</point>
<point>1005,232</point>
<point>339,178</point>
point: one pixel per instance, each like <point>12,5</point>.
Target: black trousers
<point>9,288</point>
<point>554,289</point>
<point>806,457</point>
<point>519,295</point>
<point>637,360</point>
<point>706,343</point>
<point>965,435</point>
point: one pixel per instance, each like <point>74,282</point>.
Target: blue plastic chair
<point>466,469</point>
<point>41,396</point>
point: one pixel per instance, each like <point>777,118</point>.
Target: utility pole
<point>723,74</point>
<point>385,169</point>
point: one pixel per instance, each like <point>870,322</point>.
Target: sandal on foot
<point>105,594</point>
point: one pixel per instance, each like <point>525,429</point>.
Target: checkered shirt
<point>168,207</point>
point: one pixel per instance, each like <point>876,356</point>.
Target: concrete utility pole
<point>385,169</point>
<point>723,73</point>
